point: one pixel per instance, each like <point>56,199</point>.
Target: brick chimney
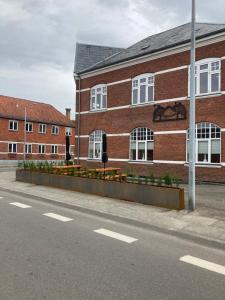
<point>68,110</point>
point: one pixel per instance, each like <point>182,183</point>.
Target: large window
<point>208,141</point>
<point>141,144</point>
<point>28,148</point>
<point>143,89</point>
<point>42,128</point>
<point>207,76</point>
<point>29,127</point>
<point>12,148</point>
<point>95,144</point>
<point>55,129</point>
<point>98,97</point>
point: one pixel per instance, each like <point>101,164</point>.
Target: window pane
<point>104,101</point>
<point>135,96</point>
<point>97,150</point>
<point>215,151</point>
<point>92,102</point>
<point>150,155</point>
<point>204,67</point>
<point>215,82</point>
<point>141,151</point>
<point>203,151</point>
<point>203,83</point>
<point>91,152</point>
<point>142,93</point>
<point>150,93</point>
<point>133,154</point>
<point>98,103</point>
<point>215,66</point>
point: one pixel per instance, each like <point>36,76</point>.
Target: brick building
<point>44,137</point>
<point>139,97</point>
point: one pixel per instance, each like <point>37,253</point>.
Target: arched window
<point>143,89</point>
<point>208,141</point>
<point>141,144</point>
<point>207,76</point>
<point>98,97</point>
<point>95,144</point>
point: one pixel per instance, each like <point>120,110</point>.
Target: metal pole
<point>192,148</point>
<point>25,121</point>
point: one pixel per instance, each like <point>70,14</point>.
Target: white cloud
<point>11,11</point>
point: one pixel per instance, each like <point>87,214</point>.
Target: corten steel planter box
<point>162,196</point>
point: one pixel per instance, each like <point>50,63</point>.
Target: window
<point>28,148</point>
<point>141,144</point>
<point>41,149</point>
<point>68,131</point>
<point>208,141</point>
<point>13,125</point>
<point>42,128</point>
<point>54,149</point>
<point>143,89</point>
<point>55,129</point>
<point>95,144</point>
<point>12,148</point>
<point>207,76</point>
<point>29,127</point>
<point>98,97</point>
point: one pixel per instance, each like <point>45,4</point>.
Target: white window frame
<point>13,145</point>
<point>95,138</point>
<point>136,85</point>
<point>138,141</point>
<point>198,64</point>
<point>14,122</point>
<point>100,89</point>
<point>54,149</point>
<point>42,147</point>
<point>28,148</point>
<point>41,126</point>
<point>55,130</point>
<point>208,140</point>
<point>28,125</point>
<point>68,131</point>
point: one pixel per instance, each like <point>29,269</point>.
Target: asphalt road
<point>70,255</point>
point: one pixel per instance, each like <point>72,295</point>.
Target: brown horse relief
<point>169,113</point>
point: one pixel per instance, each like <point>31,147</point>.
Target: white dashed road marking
<point>58,217</point>
<point>1,197</point>
<point>203,264</point>
<point>115,235</point>
<point>21,205</point>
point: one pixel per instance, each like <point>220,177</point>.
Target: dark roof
<point>14,108</point>
<point>88,55</point>
<point>161,41</point>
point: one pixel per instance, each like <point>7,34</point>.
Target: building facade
<point>42,138</point>
<point>139,97</point>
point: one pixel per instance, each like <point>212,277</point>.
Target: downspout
<point>77,77</point>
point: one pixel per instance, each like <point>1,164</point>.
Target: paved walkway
<point>206,223</point>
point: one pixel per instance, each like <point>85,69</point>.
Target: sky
<point>38,38</point>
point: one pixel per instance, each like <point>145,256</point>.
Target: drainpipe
<point>77,77</point>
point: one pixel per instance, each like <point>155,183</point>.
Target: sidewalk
<point>206,224</point>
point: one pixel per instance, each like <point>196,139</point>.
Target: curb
<point>185,236</point>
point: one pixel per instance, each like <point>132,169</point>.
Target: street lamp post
<point>25,134</point>
<point>192,147</point>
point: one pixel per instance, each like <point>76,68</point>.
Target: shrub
<point>152,178</point>
<point>167,179</point>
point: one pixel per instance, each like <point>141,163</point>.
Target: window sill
<point>205,165</point>
<point>142,162</point>
<point>217,94</point>
<point>94,159</point>
<point>142,104</point>
<point>98,110</point>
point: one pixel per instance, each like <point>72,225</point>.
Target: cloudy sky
<point>38,37</point>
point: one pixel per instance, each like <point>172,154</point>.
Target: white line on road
<point>1,197</point>
<point>58,217</point>
<point>115,235</point>
<point>21,205</point>
<point>203,264</point>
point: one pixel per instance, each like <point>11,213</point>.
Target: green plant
<point>176,180</point>
<point>159,181</point>
<point>168,179</point>
<point>152,178</point>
